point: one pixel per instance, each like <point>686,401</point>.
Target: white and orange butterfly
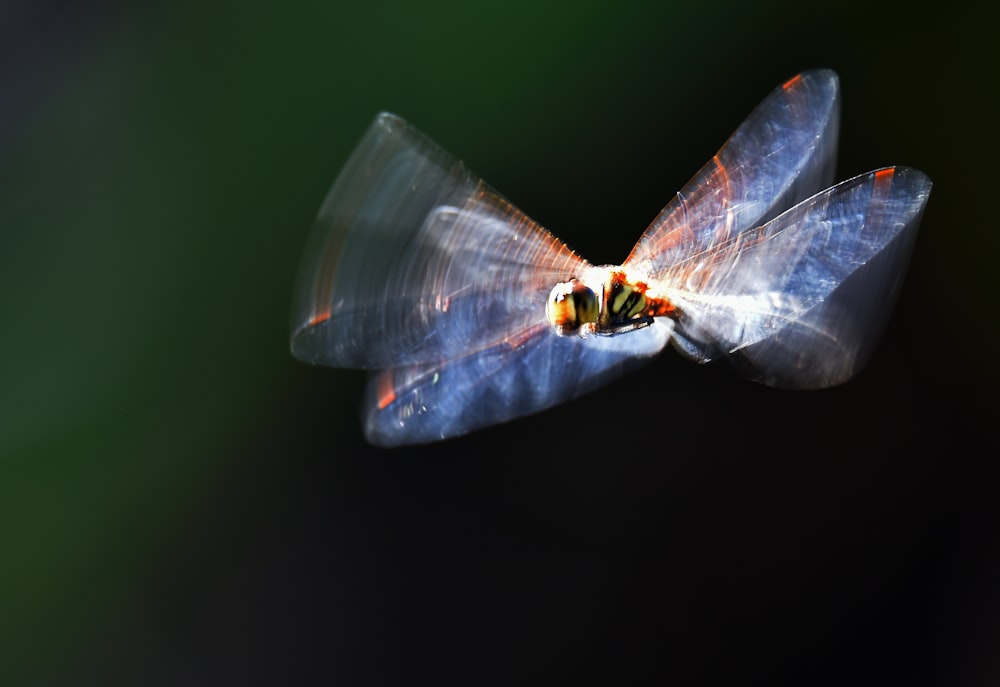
<point>471,314</point>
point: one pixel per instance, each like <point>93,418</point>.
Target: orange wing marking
<point>791,82</point>
<point>319,317</point>
<point>386,389</point>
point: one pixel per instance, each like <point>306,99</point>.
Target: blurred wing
<point>413,259</point>
<point>430,402</point>
<point>782,153</point>
<point>802,299</point>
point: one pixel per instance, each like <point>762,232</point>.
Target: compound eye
<point>571,304</point>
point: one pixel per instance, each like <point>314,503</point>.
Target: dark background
<point>183,503</point>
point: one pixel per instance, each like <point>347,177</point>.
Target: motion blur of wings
<point>420,272</point>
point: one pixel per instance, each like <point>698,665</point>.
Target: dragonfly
<point>468,313</point>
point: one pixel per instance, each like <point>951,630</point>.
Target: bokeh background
<point>183,503</point>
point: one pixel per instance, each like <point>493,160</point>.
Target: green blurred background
<point>182,503</point>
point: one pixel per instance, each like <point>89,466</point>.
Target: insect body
<point>469,314</point>
<point>608,303</point>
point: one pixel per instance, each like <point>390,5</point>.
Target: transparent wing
<point>782,153</point>
<point>802,299</point>
<point>511,379</point>
<point>413,259</point>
